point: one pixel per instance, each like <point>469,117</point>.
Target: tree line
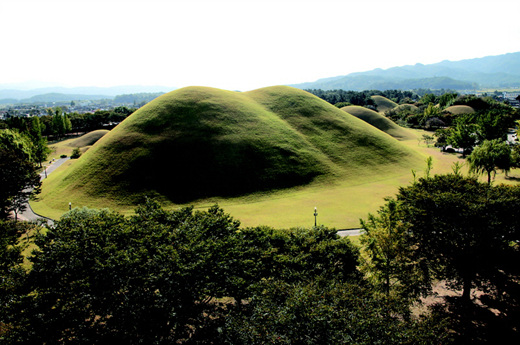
<point>57,123</point>
<point>341,98</point>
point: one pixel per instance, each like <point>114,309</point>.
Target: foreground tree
<point>326,312</point>
<point>195,277</point>
<point>99,277</point>
<point>19,180</point>
<point>12,273</point>
<point>490,156</point>
<point>462,228</point>
<point>40,148</point>
<point>388,260</point>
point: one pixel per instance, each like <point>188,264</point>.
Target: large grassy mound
<point>379,121</point>
<point>383,104</point>
<point>199,142</point>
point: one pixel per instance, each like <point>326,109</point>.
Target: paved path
<point>350,232</point>
<point>29,214</point>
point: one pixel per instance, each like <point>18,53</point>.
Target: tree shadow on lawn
<point>490,318</point>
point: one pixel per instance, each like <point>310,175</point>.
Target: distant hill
<point>487,72</point>
<point>61,97</point>
<point>199,142</point>
<point>54,94</point>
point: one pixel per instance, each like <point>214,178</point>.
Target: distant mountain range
<point>501,71</point>
<point>9,93</point>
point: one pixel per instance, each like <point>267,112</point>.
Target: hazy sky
<point>241,45</point>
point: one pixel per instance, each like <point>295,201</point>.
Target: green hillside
<point>379,121</point>
<point>383,104</point>
<point>199,142</point>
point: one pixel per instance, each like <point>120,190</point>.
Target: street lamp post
<point>70,206</point>
<point>315,216</point>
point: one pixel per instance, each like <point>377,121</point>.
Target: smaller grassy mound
<point>383,104</point>
<point>88,139</point>
<point>66,146</point>
<point>459,109</point>
<point>379,121</point>
<point>407,107</point>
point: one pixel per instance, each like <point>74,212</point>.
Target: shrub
<point>76,153</point>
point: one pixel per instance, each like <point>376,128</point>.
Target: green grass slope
<point>383,104</point>
<point>379,121</point>
<point>200,142</point>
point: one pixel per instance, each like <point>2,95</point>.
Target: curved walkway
<point>350,232</point>
<point>29,214</point>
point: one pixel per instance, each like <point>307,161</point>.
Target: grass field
<point>353,165</point>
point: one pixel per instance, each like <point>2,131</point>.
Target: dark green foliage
<point>462,227</point>
<point>389,262</point>
<point>447,99</point>
<point>457,230</point>
<point>19,179</point>
<point>494,123</point>
<point>76,153</point>
<point>490,156</point>
<point>325,313</point>
<point>163,277</point>
<point>462,135</point>
<point>99,277</point>
<point>12,274</point>
<point>297,254</point>
<point>361,98</point>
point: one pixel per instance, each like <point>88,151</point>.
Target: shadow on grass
<point>491,319</point>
